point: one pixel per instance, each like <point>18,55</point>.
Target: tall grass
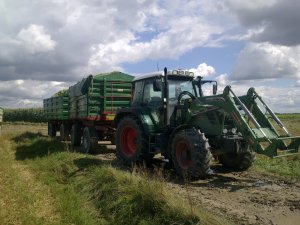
<point>88,190</point>
<point>288,167</point>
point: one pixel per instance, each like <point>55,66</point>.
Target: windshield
<point>178,86</point>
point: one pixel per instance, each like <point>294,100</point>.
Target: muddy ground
<point>241,197</point>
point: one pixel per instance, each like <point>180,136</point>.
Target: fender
<point>134,112</point>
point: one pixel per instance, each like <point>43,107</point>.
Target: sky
<point>48,45</point>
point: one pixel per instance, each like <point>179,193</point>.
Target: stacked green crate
<point>57,108</point>
<point>101,94</point>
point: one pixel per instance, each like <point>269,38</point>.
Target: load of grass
<point>88,190</point>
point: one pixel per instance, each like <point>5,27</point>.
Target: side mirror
<point>215,88</point>
<point>157,85</point>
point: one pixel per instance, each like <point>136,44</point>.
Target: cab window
<point>138,93</point>
<point>151,97</point>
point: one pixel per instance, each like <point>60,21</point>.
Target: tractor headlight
<point>225,131</point>
<point>233,130</point>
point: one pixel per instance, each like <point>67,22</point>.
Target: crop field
<point>44,181</point>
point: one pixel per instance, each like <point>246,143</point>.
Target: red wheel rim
<point>128,141</point>
<point>183,154</point>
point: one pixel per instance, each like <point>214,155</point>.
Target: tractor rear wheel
<point>131,142</point>
<point>89,140</point>
<point>76,135</point>
<point>238,162</point>
<point>190,154</point>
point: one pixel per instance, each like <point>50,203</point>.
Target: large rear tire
<point>89,140</point>
<point>131,142</point>
<point>76,135</point>
<point>190,154</point>
<point>237,162</point>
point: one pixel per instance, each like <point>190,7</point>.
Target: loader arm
<point>255,125</point>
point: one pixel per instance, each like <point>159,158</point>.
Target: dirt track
<point>241,197</point>
<point>246,197</point>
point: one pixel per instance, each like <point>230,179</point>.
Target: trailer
<point>85,112</point>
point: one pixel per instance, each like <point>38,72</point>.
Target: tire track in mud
<point>246,197</point>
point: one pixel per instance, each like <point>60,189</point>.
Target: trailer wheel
<point>190,154</point>
<point>51,129</point>
<point>76,135</point>
<point>131,142</point>
<point>64,132</point>
<point>238,162</point>
<point>89,140</point>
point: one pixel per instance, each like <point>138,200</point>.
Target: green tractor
<point>171,115</point>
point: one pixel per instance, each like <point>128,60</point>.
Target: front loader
<point>170,114</point>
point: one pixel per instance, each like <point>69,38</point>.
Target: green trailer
<point>86,111</point>
<point>57,107</point>
<point>98,97</point>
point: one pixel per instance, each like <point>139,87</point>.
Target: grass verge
<point>288,167</point>
<point>86,190</point>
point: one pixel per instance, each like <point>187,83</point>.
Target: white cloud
<point>284,99</point>
<point>180,38</point>
<point>203,70</point>
<point>35,39</point>
<point>27,93</point>
<point>264,60</point>
<point>81,37</point>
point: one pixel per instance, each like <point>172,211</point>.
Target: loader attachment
<point>256,116</point>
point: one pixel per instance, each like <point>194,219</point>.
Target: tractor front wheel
<point>131,141</point>
<point>190,154</point>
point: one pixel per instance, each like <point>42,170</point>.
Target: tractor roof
<point>175,73</point>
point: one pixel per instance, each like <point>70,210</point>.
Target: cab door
<point>153,101</point>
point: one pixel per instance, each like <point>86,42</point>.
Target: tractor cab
<point>159,94</point>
